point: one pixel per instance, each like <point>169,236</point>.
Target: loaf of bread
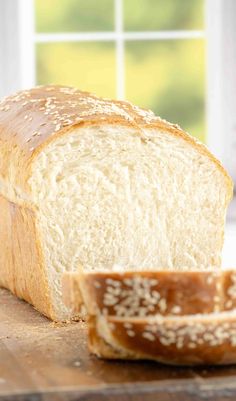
<point>174,317</point>
<point>104,185</point>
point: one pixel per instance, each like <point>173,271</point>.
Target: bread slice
<point>177,340</point>
<point>174,317</point>
<point>101,184</point>
<point>149,293</point>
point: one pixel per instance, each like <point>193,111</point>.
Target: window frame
<point>17,47</point>
<point>221,81</point>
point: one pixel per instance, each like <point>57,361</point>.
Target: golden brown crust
<point>21,260</point>
<point>148,293</point>
<point>188,340</point>
<point>32,118</point>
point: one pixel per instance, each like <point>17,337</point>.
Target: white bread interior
<point>111,198</point>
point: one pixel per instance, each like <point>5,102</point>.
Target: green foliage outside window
<point>166,76</point>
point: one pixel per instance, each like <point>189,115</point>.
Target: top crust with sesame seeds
<point>53,110</point>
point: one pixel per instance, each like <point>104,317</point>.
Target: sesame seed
<point>209,280</point>
<point>166,341</point>
<point>148,336</point>
<point>153,282</point>
<point>128,325</point>
<point>156,294</point>
<point>128,282</point>
<point>208,336</point>
<point>179,344</point>
<point>111,326</point>
<point>162,305</point>
<point>229,304</point>
<point>192,345</point>
<point>58,127</point>
<point>67,122</point>
<point>110,301</point>
<point>5,108</point>
<point>130,333</point>
<point>176,310</point>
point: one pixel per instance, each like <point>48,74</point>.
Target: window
<point>147,51</point>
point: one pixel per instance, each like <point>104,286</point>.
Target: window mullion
<point>120,49</point>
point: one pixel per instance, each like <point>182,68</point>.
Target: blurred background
<point>165,73</point>
<point>176,57</point>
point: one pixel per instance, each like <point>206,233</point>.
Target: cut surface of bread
<point>109,186</point>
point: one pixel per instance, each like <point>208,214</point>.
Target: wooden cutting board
<point>40,360</point>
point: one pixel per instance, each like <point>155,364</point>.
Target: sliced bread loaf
<point>99,183</point>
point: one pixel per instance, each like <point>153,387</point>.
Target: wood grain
<point>40,360</point>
